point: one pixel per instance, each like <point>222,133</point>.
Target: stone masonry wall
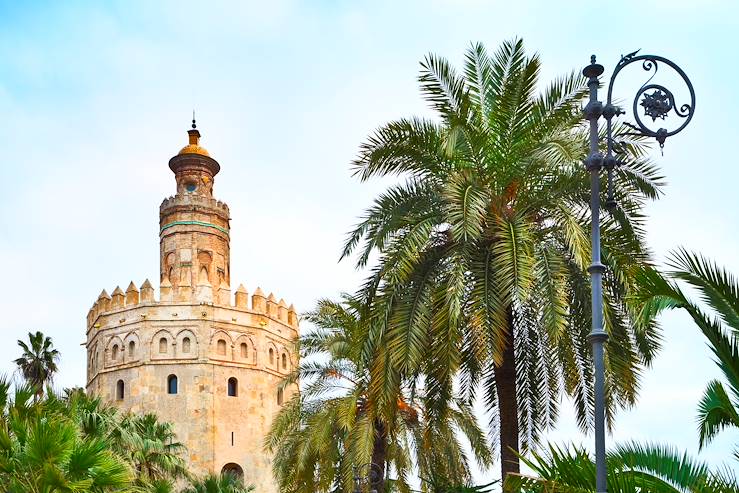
<point>142,344</point>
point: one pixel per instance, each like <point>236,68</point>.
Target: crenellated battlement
<point>144,295</point>
<point>192,200</point>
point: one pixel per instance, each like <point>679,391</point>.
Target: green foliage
<point>483,246</point>
<point>719,290</point>
<point>223,483</point>
<point>442,486</point>
<point>150,446</point>
<point>631,467</point>
<point>74,443</point>
<point>43,450</point>
<point>338,422</point>
<point>157,486</point>
<point>146,444</point>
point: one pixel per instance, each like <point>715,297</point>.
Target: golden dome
<point>193,149</point>
<point>193,146</point>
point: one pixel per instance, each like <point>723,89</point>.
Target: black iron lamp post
<point>657,105</point>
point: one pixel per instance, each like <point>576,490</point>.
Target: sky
<point>95,97</point>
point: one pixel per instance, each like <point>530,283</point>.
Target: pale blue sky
<point>96,97</point>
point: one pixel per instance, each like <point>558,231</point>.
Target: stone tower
<point>209,363</point>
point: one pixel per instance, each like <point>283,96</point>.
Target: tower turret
<point>194,229</point>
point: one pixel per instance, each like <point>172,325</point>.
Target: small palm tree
<point>719,290</point>
<point>631,468</point>
<point>42,451</point>
<point>146,444</point>
<point>151,447</point>
<point>219,483</point>
<point>94,419</point>
<point>38,362</point>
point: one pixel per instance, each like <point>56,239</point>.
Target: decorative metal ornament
<point>657,104</point>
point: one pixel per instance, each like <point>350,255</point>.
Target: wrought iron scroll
<point>654,100</point>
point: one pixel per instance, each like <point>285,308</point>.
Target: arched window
<point>271,356</point>
<point>284,361</point>
<point>163,345</point>
<point>115,352</point>
<point>120,390</point>
<point>233,469</point>
<point>233,387</point>
<point>131,349</point>
<point>172,384</point>
<point>221,346</point>
<point>280,397</point>
<point>186,345</point>
<point>244,350</point>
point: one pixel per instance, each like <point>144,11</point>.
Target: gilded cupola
<point>193,146</point>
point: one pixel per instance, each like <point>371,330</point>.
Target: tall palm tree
<point>334,429</point>
<point>38,362</point>
<point>219,483</point>
<point>631,467</point>
<point>483,247</point>
<point>719,290</point>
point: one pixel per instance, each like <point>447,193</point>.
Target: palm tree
<point>334,429</point>
<point>223,483</point>
<point>631,467</point>
<point>483,247</point>
<point>42,451</point>
<point>38,361</point>
<point>147,445</point>
<point>151,447</point>
<point>94,419</point>
<point>157,486</point>
<point>719,290</point>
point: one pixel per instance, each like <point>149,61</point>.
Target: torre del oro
<point>197,355</point>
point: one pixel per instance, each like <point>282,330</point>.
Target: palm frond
<point>717,287</point>
<point>716,411</point>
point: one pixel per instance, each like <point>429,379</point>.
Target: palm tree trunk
<point>505,387</point>
<point>379,457</point>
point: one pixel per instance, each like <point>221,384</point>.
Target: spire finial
<point>593,71</point>
<point>194,133</point>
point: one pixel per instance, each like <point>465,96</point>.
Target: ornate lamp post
<point>657,104</point>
